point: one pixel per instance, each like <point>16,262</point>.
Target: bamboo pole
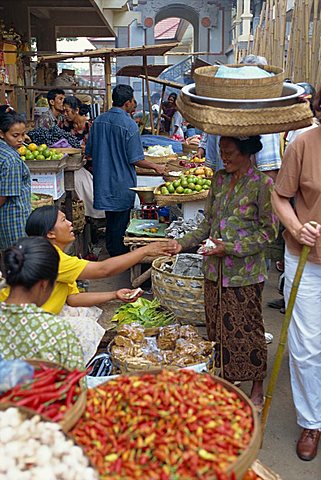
<point>160,109</point>
<point>283,337</point>
<point>283,33</point>
<point>108,99</point>
<point>314,44</point>
<point>148,95</point>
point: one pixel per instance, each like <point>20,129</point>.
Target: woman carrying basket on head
<point>240,222</point>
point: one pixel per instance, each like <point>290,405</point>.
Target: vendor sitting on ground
<point>54,115</point>
<point>26,331</point>
<point>51,223</point>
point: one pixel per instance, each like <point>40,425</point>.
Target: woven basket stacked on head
<point>207,85</point>
<point>182,295</point>
<point>236,122</point>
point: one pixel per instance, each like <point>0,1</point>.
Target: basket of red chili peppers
<point>169,425</point>
<point>55,392</point>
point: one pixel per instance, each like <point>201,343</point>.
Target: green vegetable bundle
<point>145,312</point>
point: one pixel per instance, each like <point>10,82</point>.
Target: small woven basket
<point>173,199</point>
<point>42,201</point>
<point>182,295</point>
<point>207,85</point>
<point>73,414</point>
<point>160,160</point>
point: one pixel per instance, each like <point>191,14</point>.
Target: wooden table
<point>136,275</point>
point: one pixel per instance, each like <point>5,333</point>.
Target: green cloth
<point>244,221</point>
<point>26,331</point>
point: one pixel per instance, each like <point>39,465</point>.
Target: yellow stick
<point>284,334</point>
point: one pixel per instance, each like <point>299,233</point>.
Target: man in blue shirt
<point>115,146</point>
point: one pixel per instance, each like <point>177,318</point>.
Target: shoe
<point>268,338</point>
<point>277,303</point>
<point>307,445</point>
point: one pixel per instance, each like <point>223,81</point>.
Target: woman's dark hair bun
<point>14,262</point>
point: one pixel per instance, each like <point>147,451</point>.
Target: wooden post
<point>143,95</point>
<point>148,95</point>
<point>160,109</point>
<point>108,99</point>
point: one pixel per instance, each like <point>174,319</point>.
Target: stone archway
<point>185,13</point>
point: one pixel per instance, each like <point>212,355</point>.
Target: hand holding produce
<point>127,295</point>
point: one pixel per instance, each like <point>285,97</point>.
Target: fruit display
<point>203,172</point>
<point>185,185</point>
<point>171,425</point>
<point>191,162</point>
<point>39,153</point>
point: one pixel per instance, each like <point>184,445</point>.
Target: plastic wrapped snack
<point>183,347</point>
<point>167,337</point>
<point>205,347</point>
<point>134,332</point>
<point>188,332</point>
<point>121,341</point>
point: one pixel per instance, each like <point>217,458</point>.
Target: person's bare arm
<point>305,234</point>
<point>88,299</point>
<point>113,266</point>
<point>147,164</point>
<point>2,201</point>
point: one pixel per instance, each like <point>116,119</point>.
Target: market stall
<point>162,422</point>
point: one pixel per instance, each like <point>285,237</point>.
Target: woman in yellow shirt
<point>51,223</point>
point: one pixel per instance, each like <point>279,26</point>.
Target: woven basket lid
<point>236,122</point>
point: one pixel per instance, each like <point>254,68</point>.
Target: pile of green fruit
<point>185,185</point>
<point>41,152</point>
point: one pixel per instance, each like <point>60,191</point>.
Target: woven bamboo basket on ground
<point>74,413</point>
<point>248,456</point>
<point>182,295</point>
<point>207,85</point>
<point>173,199</point>
<point>78,215</point>
<point>237,122</point>
<point>160,160</point>
<point>42,200</point>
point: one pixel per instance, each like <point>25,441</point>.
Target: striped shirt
<point>15,185</point>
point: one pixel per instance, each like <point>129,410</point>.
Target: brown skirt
<point>241,331</point>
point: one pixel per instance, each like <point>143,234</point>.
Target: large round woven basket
<point>173,199</point>
<point>207,85</point>
<point>73,414</point>
<point>237,122</point>
<point>248,456</point>
<point>42,200</point>
<point>182,295</point>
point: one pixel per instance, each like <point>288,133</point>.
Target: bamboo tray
<point>173,199</point>
<point>47,165</point>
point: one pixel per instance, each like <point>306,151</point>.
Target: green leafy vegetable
<point>145,312</point>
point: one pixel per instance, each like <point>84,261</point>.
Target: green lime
<point>192,186</point>
<point>198,188</point>
<point>164,191</point>
<point>179,190</point>
<point>176,183</point>
<point>170,188</point>
<point>40,157</point>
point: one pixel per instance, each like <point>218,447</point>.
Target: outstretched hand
<point>124,294</point>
